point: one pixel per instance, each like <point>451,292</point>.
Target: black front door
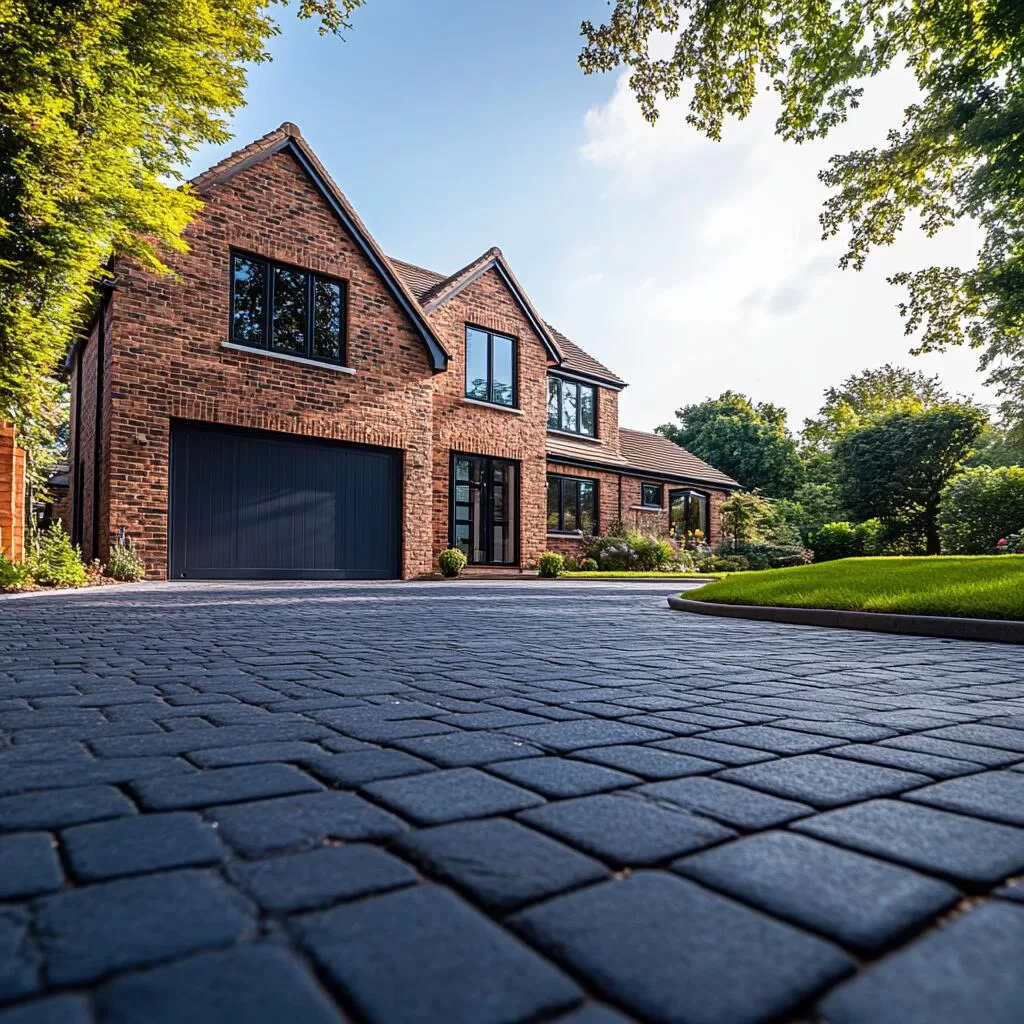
<point>485,509</point>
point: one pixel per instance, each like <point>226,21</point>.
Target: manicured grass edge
<point>1004,631</point>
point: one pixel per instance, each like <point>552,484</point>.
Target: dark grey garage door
<point>249,505</point>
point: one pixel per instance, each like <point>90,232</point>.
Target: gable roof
<point>662,457</point>
<point>434,289</point>
<point>288,139</point>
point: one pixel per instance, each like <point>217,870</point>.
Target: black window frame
<point>659,490</point>
<point>491,335</point>
<point>688,494</point>
<point>267,326</point>
<point>563,479</point>
<point>579,385</point>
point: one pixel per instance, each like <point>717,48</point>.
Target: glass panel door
<point>485,506</point>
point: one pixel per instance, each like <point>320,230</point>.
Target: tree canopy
<point>895,469</point>
<point>101,101</point>
<point>958,153</point>
<point>748,441</point>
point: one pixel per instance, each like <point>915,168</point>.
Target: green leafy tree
<point>895,469</point>
<point>749,442</point>
<point>959,152</point>
<point>998,446</point>
<point>980,505</point>
<point>101,101</point>
<point>867,397</point>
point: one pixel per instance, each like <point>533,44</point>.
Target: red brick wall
<point>169,361</point>
<point>465,427</point>
<point>12,494</point>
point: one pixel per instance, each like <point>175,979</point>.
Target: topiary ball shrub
<point>451,561</point>
<point>57,561</point>
<point>550,565</point>
<point>588,565</point>
<point>124,563</point>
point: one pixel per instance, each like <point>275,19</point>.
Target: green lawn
<point>982,586</point>
<point>631,575</point>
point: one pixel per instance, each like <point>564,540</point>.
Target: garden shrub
<point>588,565</point>
<point>727,563</point>
<point>872,537</point>
<point>980,506</point>
<point>124,562</point>
<point>57,561</point>
<point>14,575</point>
<point>632,551</point>
<point>1011,544</point>
<point>451,562</point>
<point>835,540</point>
<point>570,564</point>
<point>550,565</point>
<point>768,556</point>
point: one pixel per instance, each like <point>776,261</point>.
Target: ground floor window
<point>485,509</point>
<point>572,504</point>
<point>688,513</point>
<point>651,495</point>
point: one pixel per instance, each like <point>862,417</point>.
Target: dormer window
<point>287,310</point>
<point>572,407</point>
<point>490,367</point>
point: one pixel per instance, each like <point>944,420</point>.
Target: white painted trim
<point>286,357</point>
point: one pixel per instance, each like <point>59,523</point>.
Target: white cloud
<point>707,271</point>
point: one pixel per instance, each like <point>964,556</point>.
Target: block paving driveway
<point>499,803</point>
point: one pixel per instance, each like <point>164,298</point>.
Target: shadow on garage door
<point>251,505</point>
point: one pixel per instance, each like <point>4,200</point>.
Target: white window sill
<point>647,508</point>
<point>268,353</point>
<point>493,405</point>
<point>566,534</point>
<point>575,437</point>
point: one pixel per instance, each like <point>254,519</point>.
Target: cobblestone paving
<point>478,803</point>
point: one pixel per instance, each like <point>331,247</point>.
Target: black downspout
<point>101,337</point>
<point>620,499</point>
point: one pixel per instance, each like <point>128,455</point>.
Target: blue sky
<point>687,266</point>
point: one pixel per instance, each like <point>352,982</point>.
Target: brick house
<point>295,404</point>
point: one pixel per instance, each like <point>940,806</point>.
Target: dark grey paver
<point>670,951</point>
<point>557,777</point>
<point>223,785</point>
<point>996,795</point>
<point>726,802</point>
<point>501,864</point>
<point>724,753</point>
<point>131,846</point>
<point>111,770</point>
<point>28,866</point>
<point>907,760</point>
<point>966,971</point>
<point>61,808</point>
<point>648,762</point>
<point>860,901</point>
<point>593,1014</point>
<point>55,1010</point>
<point>223,736</point>
<point>353,769</point>
<point>20,960</point>
<point>858,732</point>
<point>985,735</point>
<point>563,736</point>
<point>625,829</point>
<point>969,851</point>
<point>989,757</point>
<point>451,795</point>
<point>253,984</point>
<point>775,741</point>
<point>462,749</point>
<point>90,932</point>
<point>269,826</point>
<point>254,753</point>
<point>422,954</point>
<point>824,781</point>
<point>307,881</point>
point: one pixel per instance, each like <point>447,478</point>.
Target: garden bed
<point>980,587</point>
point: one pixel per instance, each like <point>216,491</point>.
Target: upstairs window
<point>490,367</point>
<point>651,494</point>
<point>287,310</point>
<point>572,407</point>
